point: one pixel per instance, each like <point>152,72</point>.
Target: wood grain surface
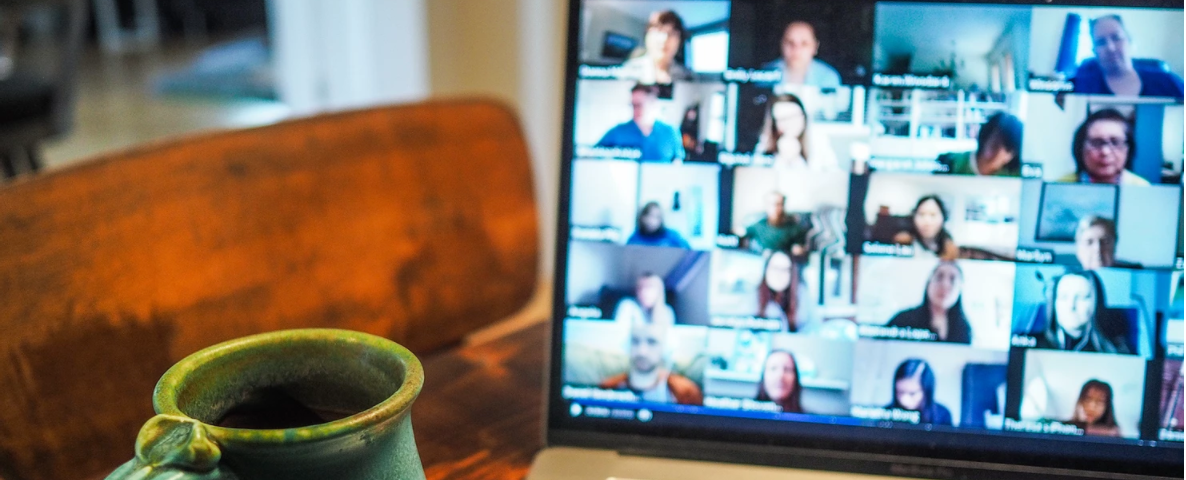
<point>480,413</point>
<point>417,223</point>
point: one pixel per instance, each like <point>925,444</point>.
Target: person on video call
<point>649,303</point>
<point>1114,73</point>
<point>776,298</point>
<point>658,141</point>
<point>998,151</point>
<point>779,231</point>
<point>784,135</point>
<point>1080,320</point>
<point>780,381</point>
<point>650,231</point>
<point>941,311</point>
<point>1104,148</point>
<point>649,375</point>
<point>928,230</point>
<point>798,64</point>
<point>914,390</point>
<point>661,61</point>
<point>1095,243</point>
<point>1094,412</point>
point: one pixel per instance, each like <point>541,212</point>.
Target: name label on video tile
<point>590,71</point>
<point>725,240</point>
<point>907,165</point>
<point>887,249</point>
<point>1035,255</point>
<point>1045,427</point>
<point>742,75</point>
<point>585,312</point>
<point>1023,341</point>
<point>596,234</point>
<point>1052,85</point>
<point>912,81</point>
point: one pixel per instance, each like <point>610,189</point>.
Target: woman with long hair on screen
<point>661,60</point>
<point>942,310</point>
<point>776,292</point>
<point>914,391</point>
<point>1080,320</point>
<point>1104,148</point>
<point>928,230</point>
<point>1094,411</point>
<point>649,229</point>
<point>780,381</point>
<point>784,133</point>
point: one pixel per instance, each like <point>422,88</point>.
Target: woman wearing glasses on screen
<point>1094,411</point>
<point>661,60</point>
<point>1080,320</point>
<point>651,232</point>
<point>780,381</point>
<point>942,310</point>
<point>928,230</point>
<point>1113,70</point>
<point>914,391</point>
<point>1104,148</point>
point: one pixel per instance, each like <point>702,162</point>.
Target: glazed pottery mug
<point>292,405</point>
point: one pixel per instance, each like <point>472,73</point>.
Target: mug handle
<point>173,447</point>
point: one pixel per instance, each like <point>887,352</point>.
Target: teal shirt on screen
<point>662,145</point>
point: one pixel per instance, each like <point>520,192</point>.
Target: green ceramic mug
<point>291,405</point>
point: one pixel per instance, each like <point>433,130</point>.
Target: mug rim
<point>165,395</point>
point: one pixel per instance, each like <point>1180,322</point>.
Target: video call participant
<point>776,292</point>
<point>779,231</point>
<point>914,390</point>
<point>1104,149</point>
<point>648,376</point>
<point>1095,243</point>
<point>650,231</point>
<point>784,134</point>
<point>1113,71</point>
<point>998,152</point>
<point>658,141</point>
<point>662,59</point>
<point>941,311</point>
<point>1094,412</point>
<point>928,233</point>
<point>649,303</point>
<point>780,381</point>
<point>1080,319</point>
<point>798,63</point>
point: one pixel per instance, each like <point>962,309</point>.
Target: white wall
<point>605,194</point>
<point>873,384</point>
<point>1053,380</point>
<point>1156,34</point>
<point>339,54</point>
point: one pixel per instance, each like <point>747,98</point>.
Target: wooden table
<point>480,413</point>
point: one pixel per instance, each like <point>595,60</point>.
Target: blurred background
<point>79,78</point>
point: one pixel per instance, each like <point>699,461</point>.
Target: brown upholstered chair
<point>417,223</point>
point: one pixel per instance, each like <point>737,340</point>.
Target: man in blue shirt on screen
<point>657,141</point>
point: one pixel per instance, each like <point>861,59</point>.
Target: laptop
<point>825,239</point>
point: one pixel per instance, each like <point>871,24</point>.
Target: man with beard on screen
<point>649,376</point>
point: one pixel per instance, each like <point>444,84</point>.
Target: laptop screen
<point>880,226</point>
